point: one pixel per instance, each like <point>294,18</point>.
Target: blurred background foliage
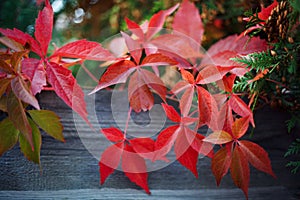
<point>99,19</point>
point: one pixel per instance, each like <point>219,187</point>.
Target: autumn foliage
<point>225,114</point>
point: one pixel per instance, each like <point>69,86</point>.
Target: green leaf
<point>49,122</point>
<point>18,117</point>
<point>33,155</point>
<point>8,135</point>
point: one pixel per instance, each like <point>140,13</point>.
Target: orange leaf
<point>220,164</point>
<point>240,127</point>
<point>239,170</point>
<point>186,75</point>
<point>218,137</point>
<point>257,157</point>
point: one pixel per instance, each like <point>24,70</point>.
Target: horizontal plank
<point>73,166</point>
<point>265,193</point>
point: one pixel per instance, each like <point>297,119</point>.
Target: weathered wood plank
<point>70,167</point>
<point>263,193</point>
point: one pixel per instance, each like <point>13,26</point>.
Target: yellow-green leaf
<point>49,122</point>
<point>8,135</point>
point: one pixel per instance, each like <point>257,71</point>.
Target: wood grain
<point>69,169</point>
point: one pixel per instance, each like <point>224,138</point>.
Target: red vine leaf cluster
<point>225,113</point>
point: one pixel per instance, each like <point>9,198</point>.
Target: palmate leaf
<point>8,135</point>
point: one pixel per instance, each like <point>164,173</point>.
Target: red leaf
<point>220,164</point>
<point>135,168</point>
<point>139,94</point>
<point>171,113</point>
<point>186,101</point>
<point>115,73</point>
<point>22,38</point>
<point>165,141</point>
<point>153,82</point>
<point>43,27</point>
<point>39,2</point>
<point>145,147</point>
<point>239,170</point>
<point>113,134</point>
<point>266,12</point>
<point>158,59</point>
<point>180,86</point>
<point>135,28</point>
<point>85,50</point>
<point>218,137</point>
<point>157,21</point>
<point>134,47</point>
<point>227,82</point>
<point>223,59</point>
<point>180,45</point>
<point>225,118</point>
<point>21,90</point>
<point>186,154</point>
<point>239,106</point>
<point>110,160</point>
<point>257,157</point>
<point>208,108</point>
<point>35,70</point>
<point>186,75</point>
<point>239,127</point>
<point>188,21</point>
<point>66,87</point>
<point>196,142</point>
<point>232,46</point>
<point>212,73</point>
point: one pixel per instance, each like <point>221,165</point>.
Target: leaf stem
<point>89,73</point>
<point>127,121</point>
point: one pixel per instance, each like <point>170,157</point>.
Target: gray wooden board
<point>262,193</point>
<point>69,170</point>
